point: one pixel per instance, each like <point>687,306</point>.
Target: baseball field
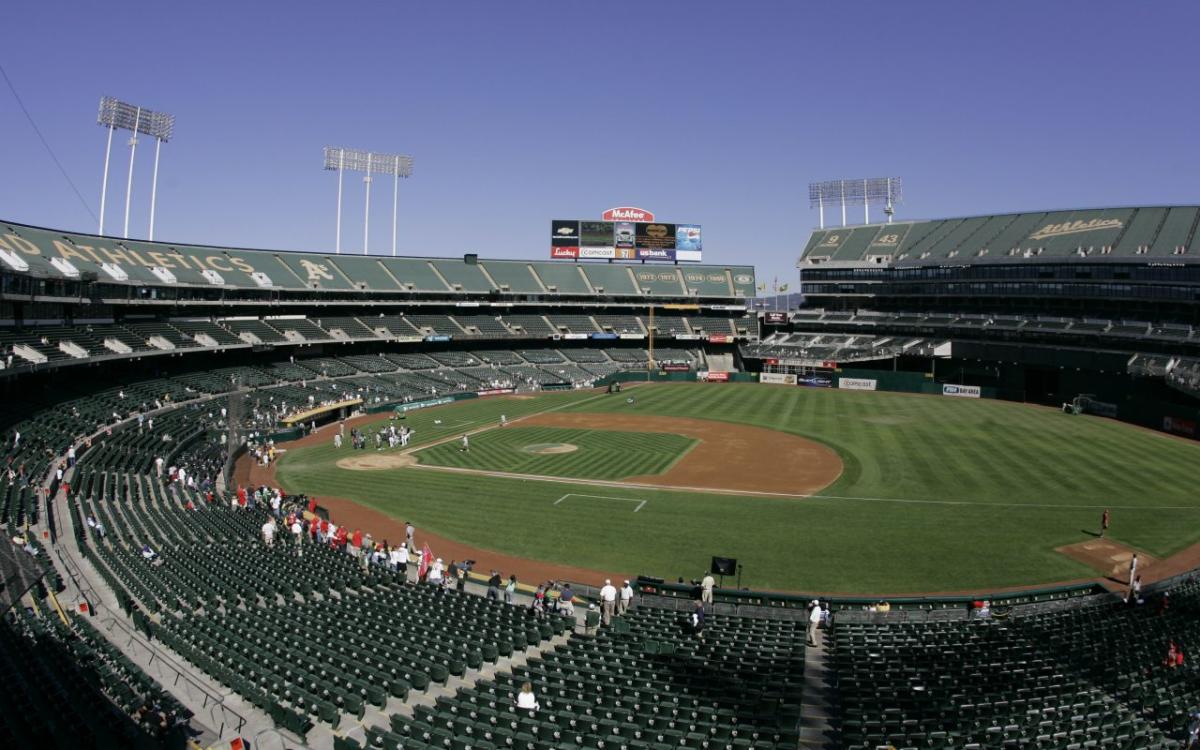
<point>812,490</point>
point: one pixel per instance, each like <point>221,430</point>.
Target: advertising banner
<point>438,337</point>
<point>720,338</point>
<point>409,339</point>
<point>633,336</point>
<point>961,391</point>
<point>688,336</point>
<point>624,236</point>
<point>627,213</point>
<point>574,336</point>
<point>815,381</point>
<point>424,404</point>
<point>691,256</point>
<point>775,318</point>
<point>778,378</point>
<point>655,236</point>
<point>714,377</point>
<point>564,233</point>
<point>494,392</point>
<point>606,253</point>
<point>564,252</point>
<point>857,384</point>
<point>649,253</point>
<point>604,335</point>
<point>675,367</point>
<point>1179,426</point>
<point>687,237</point>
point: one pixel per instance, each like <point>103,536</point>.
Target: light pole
<point>879,190</point>
<point>115,114</point>
<point>370,163</point>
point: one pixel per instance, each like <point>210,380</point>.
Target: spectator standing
<point>608,601</point>
<point>626,598</point>
<point>268,532</point>
<point>566,601</point>
<point>493,589</point>
<point>814,620</point>
<point>510,590</point>
<point>697,620</point>
<point>409,531</point>
<point>706,589</point>
<point>1104,523</point>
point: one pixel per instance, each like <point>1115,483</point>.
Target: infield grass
<point>937,494</point>
<point>597,455</point>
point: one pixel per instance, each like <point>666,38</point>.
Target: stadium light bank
<point>371,163</point>
<point>116,114</point>
<point>879,190</point>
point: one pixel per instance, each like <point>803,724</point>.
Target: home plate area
<point>638,503</point>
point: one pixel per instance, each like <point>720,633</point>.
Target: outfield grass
<point>936,494</point>
<point>599,454</point>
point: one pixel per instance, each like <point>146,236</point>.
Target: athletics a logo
<point>1075,227</point>
<point>316,271</point>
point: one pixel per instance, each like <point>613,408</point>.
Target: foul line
<point>641,503</point>
<point>781,495</point>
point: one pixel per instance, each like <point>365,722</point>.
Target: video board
<point>625,240</point>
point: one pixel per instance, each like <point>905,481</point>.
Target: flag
<point>762,287</point>
<point>783,287</point>
<point>426,556</point>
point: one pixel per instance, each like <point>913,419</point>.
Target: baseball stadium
<point>613,492</point>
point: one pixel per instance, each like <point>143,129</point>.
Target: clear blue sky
<point>712,112</point>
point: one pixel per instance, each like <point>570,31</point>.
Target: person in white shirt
<point>395,555</point>
<point>608,601</point>
<point>526,700</point>
<point>626,598</point>
<point>298,534</point>
<point>706,589</point>
<point>435,572</point>
<point>814,619</point>
<point>268,532</point>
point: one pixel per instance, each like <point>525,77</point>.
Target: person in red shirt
<point>324,533</point>
<point>356,543</point>
<point>312,505</point>
<point>241,496</point>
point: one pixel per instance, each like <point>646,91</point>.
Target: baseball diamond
<point>930,493</point>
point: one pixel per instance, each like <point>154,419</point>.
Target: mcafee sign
<point>627,213</point>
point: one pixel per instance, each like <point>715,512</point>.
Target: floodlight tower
<point>879,190</point>
<point>397,165</point>
<point>116,114</point>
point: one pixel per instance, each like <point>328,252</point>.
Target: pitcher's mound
<point>545,449</point>
<point>377,461</point>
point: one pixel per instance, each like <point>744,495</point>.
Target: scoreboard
<point>625,240</point>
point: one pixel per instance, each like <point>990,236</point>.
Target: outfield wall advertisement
<point>815,381</point>
<point>779,378</point>
<point>857,384</point>
<point>961,391</point>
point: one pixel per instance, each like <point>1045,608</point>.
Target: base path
<point>730,457</point>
